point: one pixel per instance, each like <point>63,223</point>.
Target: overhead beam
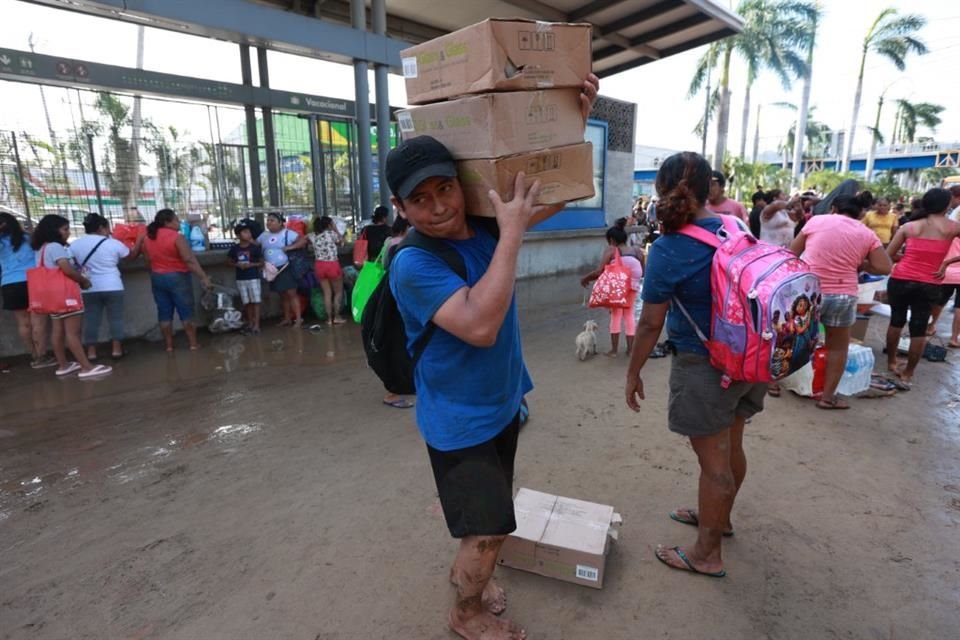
<point>540,9</point>
<point>247,23</point>
<point>654,34</point>
<point>642,49</point>
<point>637,17</point>
<point>591,8</point>
<point>669,51</point>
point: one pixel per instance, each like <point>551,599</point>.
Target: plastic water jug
<point>856,376</point>
<point>197,240</point>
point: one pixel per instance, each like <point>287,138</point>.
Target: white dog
<point>587,340</point>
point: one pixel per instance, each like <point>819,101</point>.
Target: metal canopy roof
<point>627,33</point>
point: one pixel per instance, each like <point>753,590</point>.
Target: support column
<point>269,141</point>
<point>358,16</point>
<point>379,10</point>
<point>317,174</point>
<point>253,146</point>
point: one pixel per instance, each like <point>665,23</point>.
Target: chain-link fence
<point>129,157</point>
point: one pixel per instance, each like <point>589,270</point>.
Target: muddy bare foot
<point>485,626</point>
<point>494,597</point>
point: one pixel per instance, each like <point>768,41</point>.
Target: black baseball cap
<point>416,160</point>
<point>719,178</point>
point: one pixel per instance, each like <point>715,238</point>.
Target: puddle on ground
<point>21,493</point>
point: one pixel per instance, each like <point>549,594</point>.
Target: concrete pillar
<point>315,163</point>
<point>269,141</point>
<point>253,149</point>
<point>379,10</point>
<point>358,16</point>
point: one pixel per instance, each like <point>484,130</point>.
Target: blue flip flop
<point>400,403</point>
<point>692,569</point>
<point>693,520</point>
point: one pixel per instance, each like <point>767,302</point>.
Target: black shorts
<point>476,485</point>
<point>917,297</point>
<point>947,291</point>
<point>15,296</point>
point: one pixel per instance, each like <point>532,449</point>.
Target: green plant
<point>826,180</point>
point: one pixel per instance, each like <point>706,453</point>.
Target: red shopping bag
<point>612,288</point>
<point>128,233</point>
<point>51,291</point>
<point>360,249</point>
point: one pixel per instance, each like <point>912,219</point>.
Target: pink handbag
<point>51,291</point>
<point>612,288</point>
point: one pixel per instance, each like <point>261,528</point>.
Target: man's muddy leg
<point>474,567</point>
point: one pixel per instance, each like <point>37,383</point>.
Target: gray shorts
<point>838,310</point>
<point>699,405</point>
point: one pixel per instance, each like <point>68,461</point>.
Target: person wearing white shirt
<point>98,257</point>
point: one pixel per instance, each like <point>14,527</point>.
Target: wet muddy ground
<point>258,489</point>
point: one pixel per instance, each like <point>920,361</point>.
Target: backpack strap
<point>445,252</point>
<point>437,247</point>
<point>728,226</point>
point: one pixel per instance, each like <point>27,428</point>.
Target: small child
<point>247,257</point>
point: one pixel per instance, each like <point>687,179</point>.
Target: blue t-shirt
<point>679,266</point>
<point>465,395</point>
<point>251,253</point>
<point>14,264</point>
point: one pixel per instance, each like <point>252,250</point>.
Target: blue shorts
<point>172,291</point>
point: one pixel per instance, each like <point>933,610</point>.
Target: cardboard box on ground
<point>516,125</point>
<point>560,538</point>
<point>498,55</point>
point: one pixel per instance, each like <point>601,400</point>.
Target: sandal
<point>99,370</point>
<point>70,368</point>
<point>774,391</point>
<point>399,403</point>
<point>661,551</point>
<point>692,519</point>
<point>832,405</point>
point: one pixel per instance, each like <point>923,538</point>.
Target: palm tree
<point>817,139</point>
<point>774,33</point>
<point>800,134</point>
<point>892,36</point>
<point>779,32</point>
<point>910,115</point>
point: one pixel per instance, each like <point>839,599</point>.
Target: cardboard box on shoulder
<point>560,538</point>
<point>498,55</point>
<point>565,175</point>
<point>498,124</point>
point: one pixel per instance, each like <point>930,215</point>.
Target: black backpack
<point>382,331</point>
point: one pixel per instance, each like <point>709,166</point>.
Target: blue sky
<point>665,115</point>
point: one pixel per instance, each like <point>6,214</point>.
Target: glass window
<point>596,133</point>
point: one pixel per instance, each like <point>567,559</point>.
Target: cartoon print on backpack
<point>795,323</point>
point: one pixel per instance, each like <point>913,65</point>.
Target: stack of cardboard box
<point>504,96</point>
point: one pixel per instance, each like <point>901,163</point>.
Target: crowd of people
<point>278,255</point>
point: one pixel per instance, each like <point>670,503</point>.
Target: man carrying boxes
<point>470,376</point>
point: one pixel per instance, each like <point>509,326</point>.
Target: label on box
<point>410,68</point>
<point>588,573</point>
<point>543,162</point>
<point>405,120</point>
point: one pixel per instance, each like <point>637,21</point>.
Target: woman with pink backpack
<point>705,405</point>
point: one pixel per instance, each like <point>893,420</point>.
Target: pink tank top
<point>921,260</point>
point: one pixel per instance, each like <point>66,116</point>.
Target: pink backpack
<point>766,306</point>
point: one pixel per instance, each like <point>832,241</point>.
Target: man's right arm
<point>475,314</point>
